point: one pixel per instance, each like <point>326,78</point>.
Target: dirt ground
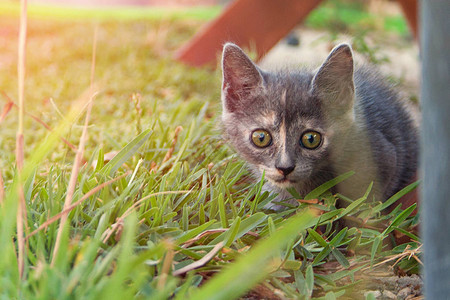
<point>402,60</point>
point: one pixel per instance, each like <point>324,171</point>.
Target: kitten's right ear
<point>334,80</point>
<point>240,77</point>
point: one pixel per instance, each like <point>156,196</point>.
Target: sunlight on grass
<point>43,11</point>
<point>161,207</point>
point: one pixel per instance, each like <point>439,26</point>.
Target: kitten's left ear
<point>334,80</point>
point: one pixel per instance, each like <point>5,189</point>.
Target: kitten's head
<point>285,123</point>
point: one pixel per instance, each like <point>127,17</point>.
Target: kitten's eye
<point>261,138</point>
<point>311,140</point>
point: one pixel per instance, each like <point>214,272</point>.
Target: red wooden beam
<point>254,24</point>
<point>258,25</point>
<point>410,11</point>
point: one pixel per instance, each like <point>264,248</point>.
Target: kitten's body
<point>361,123</point>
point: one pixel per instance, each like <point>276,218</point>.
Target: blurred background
<point>138,46</point>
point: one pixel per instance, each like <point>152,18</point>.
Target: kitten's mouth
<point>284,181</point>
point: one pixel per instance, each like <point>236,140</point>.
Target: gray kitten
<point>304,128</point>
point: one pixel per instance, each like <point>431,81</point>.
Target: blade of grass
<point>338,238</point>
<point>49,142</point>
<point>21,211</point>
<point>245,226</point>
<point>2,189</point>
<point>6,109</point>
<point>253,267</point>
<point>400,218</point>
<point>21,63</point>
<point>294,193</point>
<point>11,104</point>
<point>172,146</point>
<point>193,232</point>
<point>128,151</point>
<point>78,157</point>
<point>300,282</point>
<point>166,267</point>
<point>356,203</point>
<point>201,262</point>
<point>21,217</point>
<point>309,280</point>
<point>75,204</point>
<point>36,157</point>
<point>222,212</point>
<point>340,258</point>
<point>398,195</point>
<point>114,289</point>
<point>375,247</point>
<point>317,237</point>
<point>322,254</point>
<point>232,232</point>
<point>315,193</point>
<point>407,233</point>
<point>140,201</point>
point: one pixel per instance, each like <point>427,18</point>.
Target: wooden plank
<point>254,24</point>
<point>410,11</point>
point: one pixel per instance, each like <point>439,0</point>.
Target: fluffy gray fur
<point>363,124</point>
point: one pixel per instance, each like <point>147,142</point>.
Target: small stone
<point>376,294</point>
<point>292,40</point>
<point>403,293</point>
<point>389,295</point>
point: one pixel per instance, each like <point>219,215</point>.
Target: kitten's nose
<point>285,170</point>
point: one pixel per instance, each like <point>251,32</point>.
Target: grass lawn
<point>162,207</point>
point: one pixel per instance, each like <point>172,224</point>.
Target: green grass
<point>352,17</point>
<point>158,213</point>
